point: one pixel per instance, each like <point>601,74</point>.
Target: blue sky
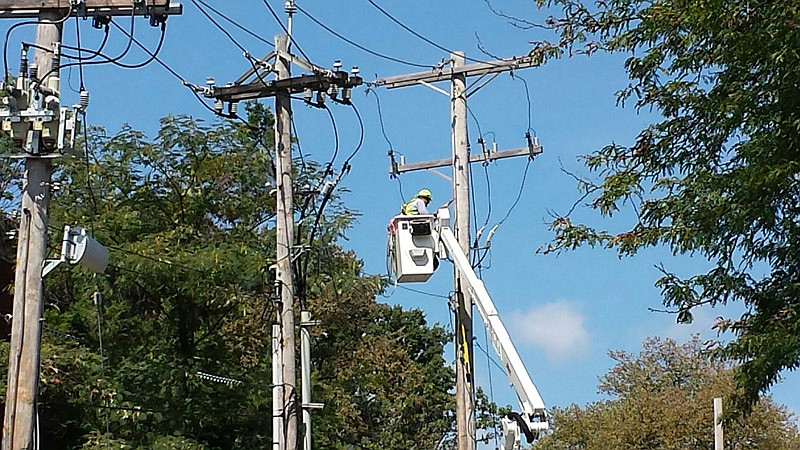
<point>564,312</point>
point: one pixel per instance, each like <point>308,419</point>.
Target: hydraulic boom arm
<point>532,418</point>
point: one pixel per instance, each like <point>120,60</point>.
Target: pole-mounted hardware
<point>31,111</point>
<point>334,84</point>
<point>78,247</point>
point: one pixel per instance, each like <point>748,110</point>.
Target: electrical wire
<point>407,28</point>
<point>519,194</point>
<point>98,300</point>
<point>235,23</point>
<point>89,172</point>
<point>285,30</point>
<point>154,259</point>
<point>386,137</point>
<point>153,55</point>
<point>93,53</point>
<point>359,46</point>
<point>417,34</point>
<point>29,22</point>
<point>380,115</point>
<point>108,60</point>
<point>80,52</point>
<point>527,165</point>
<point>491,384</point>
<point>335,135</point>
<point>179,77</point>
<point>429,294</point>
<point>361,134</point>
<point>230,37</point>
<point>528,98</point>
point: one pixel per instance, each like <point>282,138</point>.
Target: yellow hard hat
<point>425,193</point>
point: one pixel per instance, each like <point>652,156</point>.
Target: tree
<point>719,175</point>
<point>175,354</point>
<point>663,399</point>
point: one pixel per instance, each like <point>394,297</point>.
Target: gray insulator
<point>233,107</point>
<point>84,99</point>
<point>34,72</point>
<point>218,106</point>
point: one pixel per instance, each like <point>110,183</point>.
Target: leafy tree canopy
<point>662,398</point>
<point>174,352</point>
<point>719,175</point>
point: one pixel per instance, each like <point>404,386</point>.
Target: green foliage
<point>719,175</point>
<point>189,222</point>
<point>663,399</point>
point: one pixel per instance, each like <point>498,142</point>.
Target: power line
<point>235,23</point>
<point>335,134</point>
<point>285,30</point>
<point>361,133</point>
<point>429,294</point>
<point>29,22</point>
<point>357,45</point>
<point>417,34</point>
<point>407,28</point>
<point>176,75</point>
<point>220,28</point>
<point>386,137</point>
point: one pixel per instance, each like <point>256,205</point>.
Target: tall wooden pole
<point>23,379</point>
<point>285,238</point>
<point>465,405</point>
<point>719,436</point>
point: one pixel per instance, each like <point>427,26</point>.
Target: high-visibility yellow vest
<point>408,208</point>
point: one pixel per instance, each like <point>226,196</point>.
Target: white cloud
<point>557,328</point>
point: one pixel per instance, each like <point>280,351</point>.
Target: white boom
<point>532,418</point>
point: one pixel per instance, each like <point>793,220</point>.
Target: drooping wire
<point>108,59</point>
<point>89,185</point>
<point>482,141</point>
<point>380,115</point>
<point>220,27</point>
<point>429,294</point>
<point>527,165</point>
<point>87,60</point>
<point>183,81</point>
<point>407,28</point>
<point>385,136</point>
<point>528,98</point>
<point>98,299</point>
<point>232,39</point>
<point>361,134</point>
<point>80,52</point>
<point>153,55</point>
<point>236,24</point>
<point>417,34</point>
<point>359,46</point>
<point>297,142</point>
<point>519,194</point>
<point>29,22</point>
<point>285,30</point>
<point>335,135</point>
<point>491,384</point>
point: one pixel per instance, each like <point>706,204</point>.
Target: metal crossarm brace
<point>475,157</point>
<point>294,85</point>
<point>469,70</point>
<point>12,9</point>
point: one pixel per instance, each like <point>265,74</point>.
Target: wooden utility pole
<point>285,236</point>
<point>26,329</point>
<point>286,403</point>
<point>460,160</point>
<point>719,435</point>
<point>465,402</point>
<point>40,143</point>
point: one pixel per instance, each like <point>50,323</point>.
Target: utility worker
<point>417,205</point>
